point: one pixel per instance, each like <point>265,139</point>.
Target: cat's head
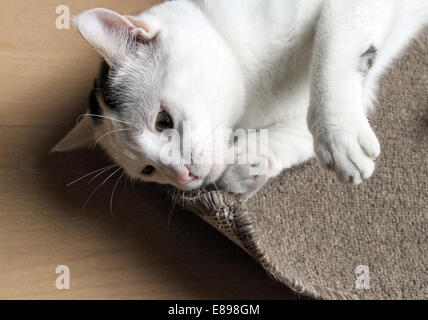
<point>165,72</point>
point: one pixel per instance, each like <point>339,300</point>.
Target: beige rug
<point>327,240</point>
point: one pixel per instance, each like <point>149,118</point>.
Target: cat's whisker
<point>216,127</point>
<point>104,117</point>
<point>183,195</point>
<point>216,138</point>
<point>211,153</point>
<point>89,174</point>
<point>132,183</point>
<point>99,187</point>
<point>174,199</point>
<point>114,189</point>
<point>101,173</point>
<point>213,140</point>
<point>107,134</point>
<point>215,186</point>
<point>174,202</point>
<point>203,141</point>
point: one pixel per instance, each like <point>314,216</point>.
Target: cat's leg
<point>348,37</point>
<point>261,159</point>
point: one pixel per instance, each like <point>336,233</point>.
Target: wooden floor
<point>141,251</point>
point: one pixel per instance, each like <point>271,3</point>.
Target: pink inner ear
<point>138,23</point>
<point>96,25</point>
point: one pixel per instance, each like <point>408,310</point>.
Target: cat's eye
<point>164,121</point>
<point>148,170</point>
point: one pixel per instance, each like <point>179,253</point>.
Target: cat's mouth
<point>188,181</point>
<point>192,183</point>
<point>185,181</point>
<point>180,177</point>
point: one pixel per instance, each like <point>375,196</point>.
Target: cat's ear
<point>112,34</point>
<point>80,137</point>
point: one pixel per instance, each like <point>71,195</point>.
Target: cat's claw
<point>350,155</point>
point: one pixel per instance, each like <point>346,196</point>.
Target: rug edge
<point>211,203</point>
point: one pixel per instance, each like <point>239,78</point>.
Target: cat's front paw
<point>349,151</point>
<point>247,177</point>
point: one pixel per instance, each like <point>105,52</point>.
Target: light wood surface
<point>140,252</point>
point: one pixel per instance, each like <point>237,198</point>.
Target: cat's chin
<point>194,185</point>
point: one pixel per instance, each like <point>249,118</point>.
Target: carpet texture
<point>311,232</point>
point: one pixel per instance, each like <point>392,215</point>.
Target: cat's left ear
<point>80,137</point>
<point>111,34</point>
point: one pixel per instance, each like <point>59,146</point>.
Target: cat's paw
<point>350,152</point>
<point>247,177</point>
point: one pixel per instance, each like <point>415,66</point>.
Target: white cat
<point>305,70</point>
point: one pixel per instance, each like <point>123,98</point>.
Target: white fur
<point>292,67</point>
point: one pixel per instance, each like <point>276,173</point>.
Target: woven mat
<point>331,241</point>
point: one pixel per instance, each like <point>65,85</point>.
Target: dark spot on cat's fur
<point>370,51</point>
<point>368,59</point>
<point>103,74</point>
<point>94,107</point>
<point>110,94</point>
